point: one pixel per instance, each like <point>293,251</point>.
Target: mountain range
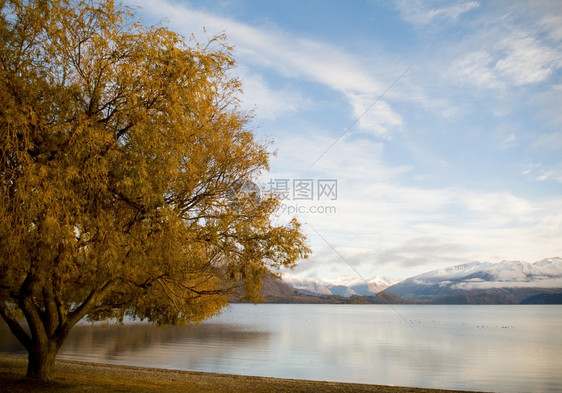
<point>507,282</point>
<point>276,290</point>
<point>345,286</point>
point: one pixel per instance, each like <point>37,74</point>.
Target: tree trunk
<point>41,360</point>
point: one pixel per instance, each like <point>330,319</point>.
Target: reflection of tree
<point>8,342</point>
<point>137,341</point>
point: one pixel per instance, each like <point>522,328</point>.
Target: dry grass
<point>88,377</point>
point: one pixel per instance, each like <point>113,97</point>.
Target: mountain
<point>544,298</point>
<point>308,287</point>
<point>276,290</point>
<point>345,286</point>
<point>507,282</point>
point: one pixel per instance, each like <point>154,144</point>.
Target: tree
<point>122,147</point>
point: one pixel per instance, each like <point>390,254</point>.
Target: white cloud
<point>542,172</point>
<point>377,118</point>
<point>267,102</point>
<point>422,12</point>
<point>381,237</point>
<point>424,228</point>
<point>288,55</point>
<point>552,172</point>
<point>297,151</point>
<point>530,167</point>
<point>526,61</point>
<point>507,141</point>
<point>514,57</point>
<point>552,142</point>
<point>476,68</point>
<point>499,208</point>
<point>383,226</point>
<point>423,251</point>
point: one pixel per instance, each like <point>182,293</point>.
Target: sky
<point>408,135</point>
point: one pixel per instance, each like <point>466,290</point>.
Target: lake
<point>486,348</point>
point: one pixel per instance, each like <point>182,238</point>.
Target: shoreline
<point>74,376</point>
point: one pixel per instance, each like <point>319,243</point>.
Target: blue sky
<point>441,122</point>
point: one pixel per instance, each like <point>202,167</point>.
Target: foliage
<point>121,147</point>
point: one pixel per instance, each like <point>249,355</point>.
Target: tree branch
<point>15,327</point>
<point>94,297</point>
<point>30,310</point>
<point>52,320</point>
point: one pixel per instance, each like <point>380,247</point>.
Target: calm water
<point>487,348</point>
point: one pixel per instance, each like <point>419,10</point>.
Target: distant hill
<point>508,282</point>
<point>544,298</point>
<point>275,290</point>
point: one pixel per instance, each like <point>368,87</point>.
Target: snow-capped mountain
<point>507,282</point>
<point>343,286</point>
<point>307,286</point>
<point>508,279</point>
<point>546,273</point>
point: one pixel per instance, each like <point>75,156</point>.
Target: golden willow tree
<point>123,160</point>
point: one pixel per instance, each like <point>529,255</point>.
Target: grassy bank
<point>89,377</point>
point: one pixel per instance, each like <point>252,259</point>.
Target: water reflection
<point>144,344</point>
<point>486,348</point>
